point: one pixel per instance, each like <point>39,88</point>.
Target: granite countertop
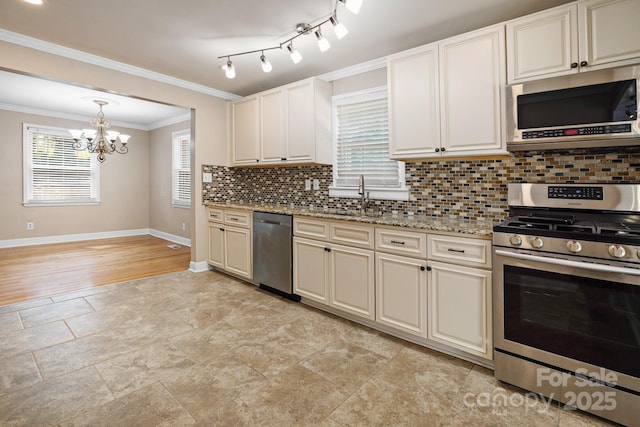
<point>421,222</point>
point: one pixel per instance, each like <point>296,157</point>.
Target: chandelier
<point>100,140</point>
<point>301,29</point>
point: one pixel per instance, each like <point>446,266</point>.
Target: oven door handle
<point>569,263</point>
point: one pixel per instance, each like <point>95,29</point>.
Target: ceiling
<point>183,39</point>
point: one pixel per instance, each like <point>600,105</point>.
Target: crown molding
<point>364,67</point>
<point>41,45</point>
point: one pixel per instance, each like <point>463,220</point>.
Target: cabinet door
<point>273,140</point>
<point>414,114</point>
<point>543,44</point>
<point>311,269</point>
<point>472,75</point>
<point>401,293</point>
<point>352,280</point>
<point>300,122</point>
<point>460,308</point>
<point>609,32</point>
<point>237,256</point>
<point>246,125</point>
<point>216,245</point>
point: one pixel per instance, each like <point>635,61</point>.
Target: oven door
<point>572,313</point>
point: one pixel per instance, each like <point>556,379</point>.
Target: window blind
<point>362,144</point>
<point>181,188</point>
<point>55,171</point>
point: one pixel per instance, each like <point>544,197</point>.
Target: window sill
<point>401,194</point>
<point>181,205</point>
<point>78,203</point>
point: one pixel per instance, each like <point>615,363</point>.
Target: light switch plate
<point>316,184</point>
<point>206,177</point>
<point>307,184</point>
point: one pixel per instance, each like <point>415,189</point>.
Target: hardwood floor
<point>30,272</point>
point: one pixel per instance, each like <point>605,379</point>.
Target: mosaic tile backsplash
<point>469,189</point>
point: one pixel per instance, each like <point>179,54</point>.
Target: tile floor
<point>205,349</point>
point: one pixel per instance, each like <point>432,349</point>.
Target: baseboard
<point>199,266</point>
<point>12,243</point>
<point>170,237</point>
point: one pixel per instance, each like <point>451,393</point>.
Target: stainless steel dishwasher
<point>272,258</point>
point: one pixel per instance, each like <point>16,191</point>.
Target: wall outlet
<point>206,177</point>
<point>316,184</point>
<point>184,226</point>
<point>29,226</point>
<point>307,184</point>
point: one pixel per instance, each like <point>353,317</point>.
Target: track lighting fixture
<point>295,55</point>
<point>323,43</point>
<point>301,29</point>
<point>266,65</point>
<point>338,27</point>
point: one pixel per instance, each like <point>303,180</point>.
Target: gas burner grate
<point>576,228</point>
<point>619,229</point>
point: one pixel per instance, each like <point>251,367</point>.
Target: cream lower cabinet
<point>401,293</point>
<point>230,243</point>
<point>459,294</point>
<point>338,275</point>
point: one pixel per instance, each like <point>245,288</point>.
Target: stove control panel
<point>575,192</point>
<point>617,251</point>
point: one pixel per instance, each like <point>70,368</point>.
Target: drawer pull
<point>233,218</point>
<point>222,229</point>
<point>461,251</point>
<point>327,249</point>
<point>397,242</point>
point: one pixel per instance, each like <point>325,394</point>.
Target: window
<point>181,175</point>
<point>361,147</point>
<point>54,172</point>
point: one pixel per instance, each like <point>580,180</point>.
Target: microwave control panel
<point>577,131</point>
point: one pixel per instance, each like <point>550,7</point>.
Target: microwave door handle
<point>569,263</point>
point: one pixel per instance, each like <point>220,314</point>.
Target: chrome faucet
<point>364,196</point>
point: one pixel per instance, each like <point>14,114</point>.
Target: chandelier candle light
<point>100,140</point>
<point>301,29</point>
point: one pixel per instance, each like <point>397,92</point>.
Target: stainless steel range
<point>567,296</point>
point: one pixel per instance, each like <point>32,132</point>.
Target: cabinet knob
<point>443,149</point>
<point>437,150</point>
<point>283,158</point>
<point>327,249</point>
<point>584,63</point>
<point>222,229</point>
<point>422,268</point>
<point>257,160</point>
<point>574,65</point>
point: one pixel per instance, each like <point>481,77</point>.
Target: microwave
<point>583,110</point>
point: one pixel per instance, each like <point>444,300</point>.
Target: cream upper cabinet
<point>609,32</point>
<point>581,36</point>
<point>273,127</point>
<point>472,77</point>
<point>289,124</point>
<point>445,99</point>
<point>414,107</point>
<point>245,129</point>
<point>460,308</point>
<point>543,44</point>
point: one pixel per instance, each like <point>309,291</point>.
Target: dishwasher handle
<point>266,221</point>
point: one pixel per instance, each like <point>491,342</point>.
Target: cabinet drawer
<point>238,218</point>
<point>409,243</point>
<point>214,215</point>
<point>311,228</point>
<point>460,250</point>
<point>352,234</point>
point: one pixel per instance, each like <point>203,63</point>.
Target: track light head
<point>338,27</point>
<point>266,65</point>
<point>229,69</point>
<point>295,55</point>
<point>323,43</point>
<point>353,5</point>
